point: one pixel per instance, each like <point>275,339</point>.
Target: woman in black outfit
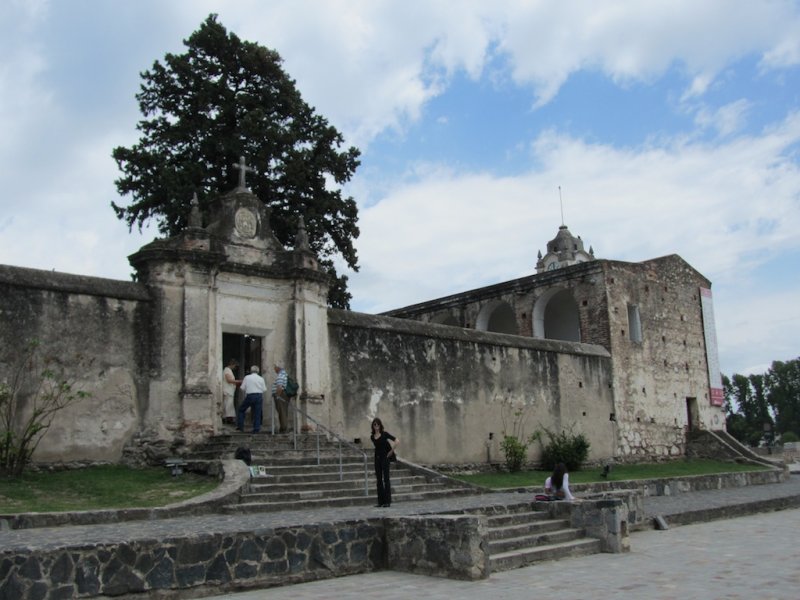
<point>385,444</point>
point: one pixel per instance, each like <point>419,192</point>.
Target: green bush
<point>515,453</point>
<point>567,447</point>
<point>789,436</point>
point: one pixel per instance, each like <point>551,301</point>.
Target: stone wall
<point>453,546</point>
<point>449,394</point>
<point>99,330</point>
<point>654,377</point>
<point>222,562</point>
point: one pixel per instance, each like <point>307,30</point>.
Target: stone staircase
<point>299,476</point>
<point>519,536</point>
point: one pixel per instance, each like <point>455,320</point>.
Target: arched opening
<point>497,316</point>
<point>556,317</point>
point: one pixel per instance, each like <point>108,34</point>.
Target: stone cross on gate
<point>243,169</point>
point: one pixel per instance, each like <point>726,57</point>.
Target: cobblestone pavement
<point>748,557</point>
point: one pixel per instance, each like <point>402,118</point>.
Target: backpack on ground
<point>244,455</point>
<point>291,387</point>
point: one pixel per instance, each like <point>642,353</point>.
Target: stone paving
<point>44,538</point>
<point>748,557</point>
<point>714,564</point>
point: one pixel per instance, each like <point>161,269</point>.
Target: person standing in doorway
<point>229,383</point>
<point>254,387</point>
<point>280,398</point>
<point>384,443</point>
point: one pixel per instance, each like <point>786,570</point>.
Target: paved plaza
<point>753,557</point>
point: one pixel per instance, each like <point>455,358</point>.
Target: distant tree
<point>734,421</point>
<point>747,394</point>
<point>222,99</point>
<point>783,395</point>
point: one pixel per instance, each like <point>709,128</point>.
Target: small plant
<point>567,447</point>
<point>515,453</point>
<point>36,389</point>
<point>514,448</point>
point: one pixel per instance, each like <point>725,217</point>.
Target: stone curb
<point>688,517</point>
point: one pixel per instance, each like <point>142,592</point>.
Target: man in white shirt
<point>254,387</point>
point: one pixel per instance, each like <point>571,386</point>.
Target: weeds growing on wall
<point>32,391</point>
<point>567,447</point>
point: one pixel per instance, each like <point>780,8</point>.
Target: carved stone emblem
<point>246,223</point>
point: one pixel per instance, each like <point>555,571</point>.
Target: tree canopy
<point>758,401</point>
<point>225,98</point>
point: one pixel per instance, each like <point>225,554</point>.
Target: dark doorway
<point>244,348</point>
<point>692,416</point>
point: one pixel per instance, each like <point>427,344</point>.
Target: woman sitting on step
<point>557,485</point>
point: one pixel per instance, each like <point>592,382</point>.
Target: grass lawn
<point>679,468</point>
<point>107,486</point>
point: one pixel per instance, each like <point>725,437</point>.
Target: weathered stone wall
<point>449,394</point>
<point>654,377</point>
<point>100,331</point>
<point>208,561</point>
<point>654,373</point>
<point>452,546</point>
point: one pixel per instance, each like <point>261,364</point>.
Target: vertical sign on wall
<point>712,356</point>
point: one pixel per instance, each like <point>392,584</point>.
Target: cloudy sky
<point>670,126</point>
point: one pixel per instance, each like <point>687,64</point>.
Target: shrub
<point>567,447</point>
<point>789,436</point>
<point>515,452</point>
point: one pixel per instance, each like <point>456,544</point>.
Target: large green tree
<point>225,98</point>
<point>783,395</point>
<point>747,408</point>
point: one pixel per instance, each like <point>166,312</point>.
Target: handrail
<point>319,426</point>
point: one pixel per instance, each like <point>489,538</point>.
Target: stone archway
<point>497,316</point>
<point>556,316</point>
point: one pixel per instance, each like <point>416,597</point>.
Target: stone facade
<point>648,316</point>
<point>613,350</point>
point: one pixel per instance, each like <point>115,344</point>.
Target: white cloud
<point>728,209</point>
<point>373,66</point>
<point>726,120</point>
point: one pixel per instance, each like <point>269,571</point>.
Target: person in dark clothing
<point>385,444</point>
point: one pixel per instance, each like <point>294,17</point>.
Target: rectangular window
<point>634,323</point>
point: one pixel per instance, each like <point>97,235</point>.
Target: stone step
<point>519,517</point>
<point>354,500</point>
<point>313,473</point>
<point>312,468</point>
<point>264,484</point>
<point>269,496</point>
<point>289,456</point>
<point>504,561</point>
<point>539,525</point>
<point>534,540</point>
